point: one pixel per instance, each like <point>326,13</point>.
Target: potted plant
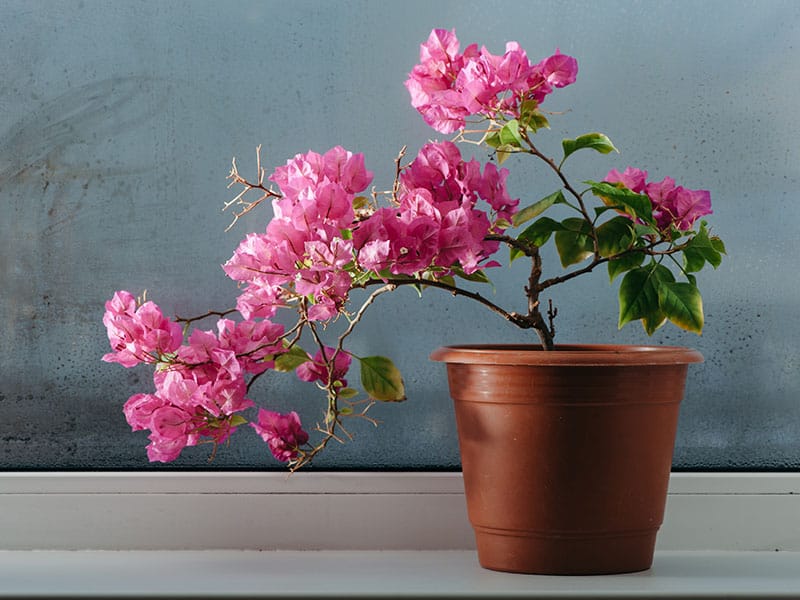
<point>566,450</point>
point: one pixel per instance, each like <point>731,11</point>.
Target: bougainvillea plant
<point>441,224</point>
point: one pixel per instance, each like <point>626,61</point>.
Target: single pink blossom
<point>347,169</point>
<point>282,432</point>
<point>317,369</point>
<point>260,299</point>
<point>631,178</point>
<point>167,449</point>
<point>690,205</point>
<point>559,69</point>
<point>492,188</point>
<point>139,408</point>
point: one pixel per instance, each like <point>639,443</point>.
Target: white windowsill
<point>397,574</point>
<point>373,534</point>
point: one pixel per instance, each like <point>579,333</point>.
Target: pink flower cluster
<point>308,256</point>
<point>302,252</point>
<point>140,334</point>
<point>437,222</point>
<point>200,386</point>
<point>447,86</point>
<point>673,206</point>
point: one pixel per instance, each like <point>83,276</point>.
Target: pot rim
<point>599,355</point>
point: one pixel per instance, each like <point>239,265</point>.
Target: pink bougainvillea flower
<point>447,87</point>
<point>140,334</point>
<point>139,408</point>
<point>673,205</point>
<point>251,341</point>
<point>171,431</point>
<point>690,205</point>
<point>347,169</point>
<point>436,222</point>
<point>317,369</point>
<point>633,179</point>
<point>333,179</point>
<point>492,188</point>
<point>461,239</point>
<point>282,432</point>
<point>559,69</point>
<point>260,299</point>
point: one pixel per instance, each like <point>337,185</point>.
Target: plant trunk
<point>533,290</point>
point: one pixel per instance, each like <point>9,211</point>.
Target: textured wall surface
<point>118,121</point>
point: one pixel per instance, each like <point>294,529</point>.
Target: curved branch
<point>515,318</point>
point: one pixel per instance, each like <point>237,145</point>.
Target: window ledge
<point>346,511</point>
<point>217,574</point>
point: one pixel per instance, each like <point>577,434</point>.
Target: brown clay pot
<point>566,454</point>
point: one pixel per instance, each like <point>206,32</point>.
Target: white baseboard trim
<point>352,511</point>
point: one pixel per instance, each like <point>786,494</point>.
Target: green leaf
<point>615,236</point>
<point>681,303</point>
<point>381,379</point>
<point>638,296</point>
<point>477,276</point>
<point>237,420</point>
<point>718,244</point>
<point>493,139</point>
<point>509,134</point>
<point>292,359</point>
<point>504,151</point>
<point>699,251</point>
<point>347,392</point>
<point>644,230</point>
<point>574,242</point>
<point>595,141</point>
<point>537,121</point>
<point>540,231</point>
<point>636,205</point>
<point>624,263</point>
<point>527,108</point>
<point>360,202</point>
<point>537,208</point>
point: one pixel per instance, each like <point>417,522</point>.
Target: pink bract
<point>282,432</point>
<point>317,369</point>
<point>673,206</point>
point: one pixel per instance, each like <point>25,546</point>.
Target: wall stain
<point>32,147</point>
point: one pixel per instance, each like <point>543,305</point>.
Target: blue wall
<point>118,121</point>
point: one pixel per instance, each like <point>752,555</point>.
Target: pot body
<point>566,454</point>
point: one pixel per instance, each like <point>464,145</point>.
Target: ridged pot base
<point>573,554</point>
<point>566,454</point>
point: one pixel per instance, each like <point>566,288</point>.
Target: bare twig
<point>212,313</point>
<point>239,199</point>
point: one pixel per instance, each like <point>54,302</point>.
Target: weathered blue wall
<point>118,121</point>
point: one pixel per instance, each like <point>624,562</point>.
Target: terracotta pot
<point>566,454</point>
